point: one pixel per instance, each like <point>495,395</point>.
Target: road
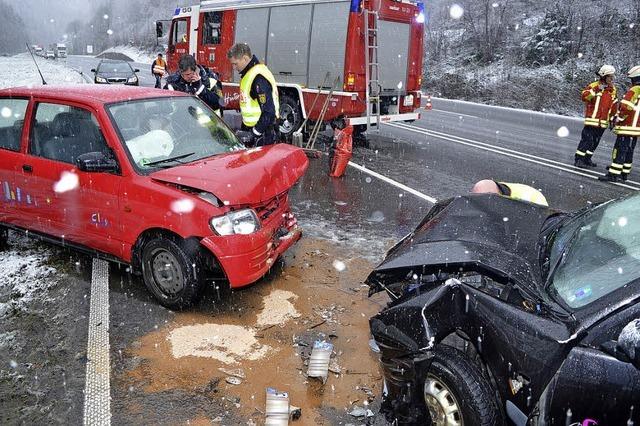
<point>315,293</point>
<point>85,64</point>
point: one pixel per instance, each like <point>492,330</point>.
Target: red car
<point>150,178</point>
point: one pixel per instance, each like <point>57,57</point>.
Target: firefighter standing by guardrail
<point>259,102</point>
<point>600,98</point>
<point>627,129</point>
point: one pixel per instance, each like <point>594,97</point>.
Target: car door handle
<point>27,168</point>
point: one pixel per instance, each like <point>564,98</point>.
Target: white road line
<point>393,182</point>
<point>454,113</point>
<point>97,406</point>
<point>507,152</point>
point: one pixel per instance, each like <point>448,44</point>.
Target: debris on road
<point>233,380</point>
<point>295,412</point>
<point>238,372</point>
<point>277,408</point>
<point>358,411</point>
<point>319,360</point>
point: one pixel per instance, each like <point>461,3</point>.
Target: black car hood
<point>484,232</point>
<point>112,74</point>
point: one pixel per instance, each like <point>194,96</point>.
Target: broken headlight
<point>241,222</point>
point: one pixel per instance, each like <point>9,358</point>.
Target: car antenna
<point>37,67</point>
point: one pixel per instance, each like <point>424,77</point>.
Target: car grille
<point>267,209</point>
<point>117,80</point>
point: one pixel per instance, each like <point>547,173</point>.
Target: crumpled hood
<point>488,231</point>
<point>242,178</point>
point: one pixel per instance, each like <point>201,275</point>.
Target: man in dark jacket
<point>197,80</point>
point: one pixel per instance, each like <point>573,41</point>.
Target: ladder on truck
<point>372,66</point>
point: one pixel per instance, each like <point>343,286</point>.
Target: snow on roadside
<point>25,274</point>
<point>19,70</point>
<point>138,55</point>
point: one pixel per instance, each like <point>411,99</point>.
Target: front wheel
<point>456,393</point>
<point>171,273</point>
<point>290,116</point>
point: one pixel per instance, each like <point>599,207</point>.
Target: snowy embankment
<point>134,53</point>
<point>19,70</point>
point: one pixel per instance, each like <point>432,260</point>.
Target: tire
<point>455,383</point>
<point>290,116</point>
<point>171,273</point>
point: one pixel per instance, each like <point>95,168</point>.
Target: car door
<point>76,206</point>
<point>12,119</point>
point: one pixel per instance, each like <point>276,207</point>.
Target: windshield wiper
<point>170,159</point>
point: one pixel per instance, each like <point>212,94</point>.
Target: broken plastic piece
<point>233,380</point>
<point>295,412</point>
<point>277,409</point>
<point>319,360</point>
<point>360,412</point>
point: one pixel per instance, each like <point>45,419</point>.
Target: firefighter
<point>515,191</point>
<point>600,98</point>
<point>627,129</point>
<point>259,102</point>
<point>199,81</point>
<point>158,69</point>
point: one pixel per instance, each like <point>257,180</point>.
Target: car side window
<point>64,132</point>
<point>12,112</point>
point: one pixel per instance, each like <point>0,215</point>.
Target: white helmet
<point>634,72</point>
<point>606,70</point>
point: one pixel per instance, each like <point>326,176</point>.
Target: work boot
<point>590,162</point>
<point>608,178</point>
<point>624,177</point>
<point>581,163</point>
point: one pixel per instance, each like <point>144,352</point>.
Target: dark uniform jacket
<point>209,88</point>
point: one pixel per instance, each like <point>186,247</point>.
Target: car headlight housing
<point>101,79</point>
<point>242,222</point>
<point>132,79</point>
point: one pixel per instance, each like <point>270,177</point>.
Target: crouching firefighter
<point>259,102</point>
<point>627,129</point>
<point>199,81</point>
<point>600,98</point>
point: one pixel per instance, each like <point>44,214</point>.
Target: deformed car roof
<point>92,93</point>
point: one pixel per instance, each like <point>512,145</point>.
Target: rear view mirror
<point>136,70</point>
<point>96,162</point>
<point>629,342</point>
<point>93,70</point>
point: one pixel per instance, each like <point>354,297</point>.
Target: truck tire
<point>170,273</point>
<point>454,384</point>
<point>290,116</point>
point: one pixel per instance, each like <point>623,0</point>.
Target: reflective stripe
<point>170,87</point>
<point>627,130</point>
<point>597,106</point>
<point>628,103</point>
<point>614,171</point>
<point>249,107</point>
<point>525,193</point>
<point>580,153</point>
<point>589,152</point>
<point>595,122</point>
<point>616,165</point>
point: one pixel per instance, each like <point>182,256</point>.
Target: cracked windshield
<point>319,212</point>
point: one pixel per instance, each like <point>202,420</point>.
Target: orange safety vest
<point>159,66</point>
<point>599,104</point>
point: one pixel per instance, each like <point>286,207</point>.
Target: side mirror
<point>136,70</point>
<point>245,138</point>
<point>96,162</point>
<point>629,342</point>
<point>93,70</point>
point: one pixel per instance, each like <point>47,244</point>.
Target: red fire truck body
<point>309,45</point>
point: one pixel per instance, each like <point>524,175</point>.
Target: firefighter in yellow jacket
<point>600,98</point>
<point>627,129</point>
<point>259,102</point>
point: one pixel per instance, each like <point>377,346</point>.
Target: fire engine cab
<point>371,50</point>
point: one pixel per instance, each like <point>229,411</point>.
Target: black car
<point>115,72</point>
<point>506,312</point>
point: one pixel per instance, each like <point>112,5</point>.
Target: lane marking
<point>97,405</point>
<point>454,113</point>
<point>509,153</point>
<point>393,182</point>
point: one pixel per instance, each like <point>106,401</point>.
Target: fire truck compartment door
<point>288,43</point>
<point>328,42</point>
<point>393,54</point>
<point>251,28</point>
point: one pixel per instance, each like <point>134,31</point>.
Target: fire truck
<point>369,52</point>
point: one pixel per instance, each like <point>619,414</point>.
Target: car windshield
<point>160,132</point>
<point>115,67</point>
<point>597,252</point>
